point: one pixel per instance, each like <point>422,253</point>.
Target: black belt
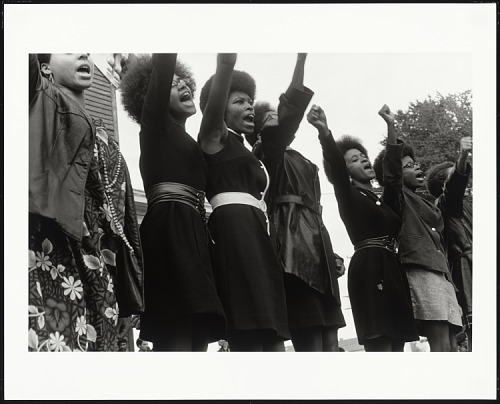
<point>378,242</point>
<point>174,192</point>
<point>304,200</point>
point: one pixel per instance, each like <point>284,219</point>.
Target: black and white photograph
<point>291,185</point>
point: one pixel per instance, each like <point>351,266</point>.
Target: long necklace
<point>108,190</point>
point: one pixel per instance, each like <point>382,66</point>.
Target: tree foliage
<point>434,126</point>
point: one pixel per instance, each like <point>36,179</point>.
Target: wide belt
<point>241,198</point>
<point>304,200</point>
<point>175,192</point>
<point>378,242</point>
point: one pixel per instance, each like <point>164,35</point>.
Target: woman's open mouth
<point>185,96</point>
<point>84,69</point>
<point>249,118</point>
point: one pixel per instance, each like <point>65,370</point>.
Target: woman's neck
<point>181,121</point>
<point>364,185</point>
<point>76,96</point>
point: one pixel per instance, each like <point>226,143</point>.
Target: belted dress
<point>377,285</point>
<point>178,276</point>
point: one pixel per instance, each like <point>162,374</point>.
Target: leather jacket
<point>61,143</point>
<point>294,199</point>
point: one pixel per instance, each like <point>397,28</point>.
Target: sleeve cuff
<point>301,98</point>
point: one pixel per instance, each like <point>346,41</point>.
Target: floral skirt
<point>72,305</point>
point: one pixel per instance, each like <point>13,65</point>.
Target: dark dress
<point>247,270</point>
<point>378,288</point>
<point>311,287</point>
<point>178,276</point>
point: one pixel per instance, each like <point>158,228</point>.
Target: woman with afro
<point>378,289</point>
<point>246,266</point>
<point>421,248</point>
<point>311,266</point>
<point>183,311</point>
<point>457,214</point>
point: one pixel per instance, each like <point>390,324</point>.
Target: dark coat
<point>294,200</point>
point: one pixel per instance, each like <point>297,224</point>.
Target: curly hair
<point>134,83</point>
<point>241,81</point>
<point>378,163</point>
<point>348,142</point>
<point>437,176</point>
<point>260,108</point>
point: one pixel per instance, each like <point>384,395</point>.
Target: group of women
<point>261,269</point>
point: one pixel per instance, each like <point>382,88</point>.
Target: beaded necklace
<point>108,190</point>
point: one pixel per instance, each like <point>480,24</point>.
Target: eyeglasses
<point>411,164</point>
<point>175,83</point>
<point>270,116</point>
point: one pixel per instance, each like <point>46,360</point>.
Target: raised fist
<point>386,114</point>
<point>317,118</point>
<point>226,58</point>
<point>466,144</point>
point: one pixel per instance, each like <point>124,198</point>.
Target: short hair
<point>437,176</point>
<point>139,342</point>
<point>378,163</point>
<point>348,142</point>
<point>240,81</point>
<point>122,340</point>
<point>134,83</point>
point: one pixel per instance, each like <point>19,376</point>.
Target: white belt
<point>241,198</point>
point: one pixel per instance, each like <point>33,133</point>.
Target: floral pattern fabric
<point>72,303</point>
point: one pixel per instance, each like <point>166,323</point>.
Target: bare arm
<point>298,72</point>
<point>213,130</point>
<point>389,118</point>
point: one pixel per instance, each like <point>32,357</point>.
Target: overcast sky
<point>360,57</point>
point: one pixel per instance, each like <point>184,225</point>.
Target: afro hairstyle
<point>437,176</point>
<point>134,83</point>
<point>348,142</point>
<point>378,163</point>
<point>241,81</point>
<point>344,143</point>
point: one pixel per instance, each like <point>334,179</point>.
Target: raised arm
<point>392,165</point>
<point>334,163</point>
<point>291,109</point>
<point>213,130</point>
<point>157,99</point>
<point>35,76</point>
<point>298,72</point>
<point>451,200</point>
